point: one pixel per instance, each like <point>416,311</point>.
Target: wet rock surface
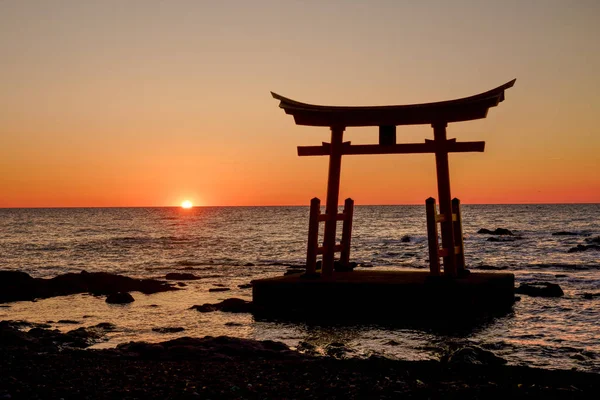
<point>18,286</point>
<point>232,305</point>
<point>540,289</point>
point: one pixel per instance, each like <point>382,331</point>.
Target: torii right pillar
<point>445,198</point>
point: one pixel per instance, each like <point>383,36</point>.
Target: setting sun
<point>186,204</point>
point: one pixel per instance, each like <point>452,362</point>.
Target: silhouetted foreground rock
<point>232,305</point>
<point>208,348</point>
<point>16,285</point>
<point>497,231</point>
<point>540,289</point>
<point>229,368</point>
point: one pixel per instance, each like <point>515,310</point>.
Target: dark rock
<point>292,271</point>
<point>249,265</point>
<point>17,286</point>
<point>233,305</point>
<point>245,286</point>
<point>233,324</point>
<point>560,276</point>
<point>405,239</point>
<point>307,348</point>
<point>365,265</point>
<point>219,289</point>
<point>564,233</point>
<point>339,267</point>
<point>204,308</point>
<point>181,276</point>
<point>68,321</point>
<point>491,267</point>
<point>392,343</point>
<point>497,231</point>
<point>595,240</point>
<point>473,355</point>
<point>107,326</point>
<point>119,298</point>
<point>540,289</point>
<point>169,329</point>
<point>40,339</point>
<point>336,350</point>
<point>219,285</point>
<point>590,296</point>
<point>584,247</point>
<point>181,284</point>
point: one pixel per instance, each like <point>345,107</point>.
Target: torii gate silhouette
<point>438,115</point>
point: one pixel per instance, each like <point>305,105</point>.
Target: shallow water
<point>233,245</point>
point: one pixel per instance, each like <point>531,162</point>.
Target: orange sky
<point>148,103</point>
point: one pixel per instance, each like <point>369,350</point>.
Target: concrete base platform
<point>387,294</point>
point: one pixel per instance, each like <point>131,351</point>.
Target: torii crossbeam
<point>438,115</point>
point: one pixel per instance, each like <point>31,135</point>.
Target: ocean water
<point>232,245</point>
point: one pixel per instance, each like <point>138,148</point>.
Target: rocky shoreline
<point>42,363</point>
<point>19,286</point>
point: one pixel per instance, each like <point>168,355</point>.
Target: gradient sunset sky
<point>149,103</point>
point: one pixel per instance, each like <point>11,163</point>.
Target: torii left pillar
<point>443,181</point>
<point>333,195</point>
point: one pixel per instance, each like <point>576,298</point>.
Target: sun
<point>186,204</point>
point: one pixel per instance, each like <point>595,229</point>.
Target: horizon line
<point>287,205</point>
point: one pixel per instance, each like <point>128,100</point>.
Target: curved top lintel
<point>463,109</point>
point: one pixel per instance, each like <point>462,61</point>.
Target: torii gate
<point>438,115</point>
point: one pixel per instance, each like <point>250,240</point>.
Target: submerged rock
<point>120,298</point>
<point>497,231</point>
<point>181,276</point>
<point>169,329</point>
<point>233,305</point>
<point>540,289</point>
<point>17,286</point>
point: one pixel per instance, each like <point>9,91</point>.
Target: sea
<point>231,246</point>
